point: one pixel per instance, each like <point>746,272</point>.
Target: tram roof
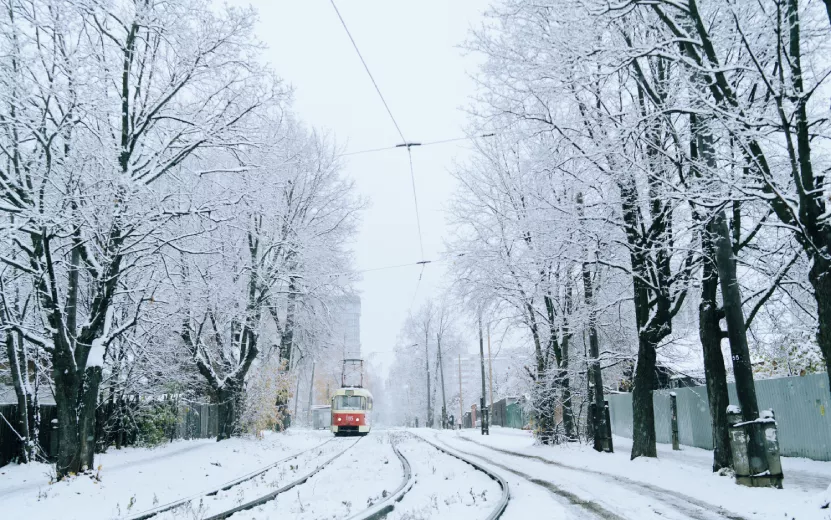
<point>350,390</point>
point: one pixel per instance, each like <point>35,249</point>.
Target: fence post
<point>611,444</point>
<point>673,405</point>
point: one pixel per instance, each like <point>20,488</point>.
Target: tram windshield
<point>350,402</point>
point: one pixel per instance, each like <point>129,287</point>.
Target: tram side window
<point>345,402</point>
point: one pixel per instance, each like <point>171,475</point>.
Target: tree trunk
<point>820,278</point>
<point>742,369</point>
<point>228,408</point>
<point>563,377</point>
<point>715,374</point>
<point>541,393</point>
<point>88,406</point>
<point>565,383</point>
<point>601,443</point>
<point>287,336</point>
<point>643,413</point>
<point>68,460</point>
<point>19,373</point>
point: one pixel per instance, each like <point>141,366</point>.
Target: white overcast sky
<point>412,49</point>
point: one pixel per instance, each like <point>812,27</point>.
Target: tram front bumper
<point>350,429</point>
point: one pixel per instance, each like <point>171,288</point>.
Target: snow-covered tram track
<point>271,496</point>
<point>383,508</point>
<point>183,502</point>
<point>688,506</point>
<point>505,495</point>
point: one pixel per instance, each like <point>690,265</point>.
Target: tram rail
<point>383,508</point>
<point>150,513</point>
<point>376,511</point>
<point>497,511</point>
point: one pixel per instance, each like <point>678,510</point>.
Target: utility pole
<point>429,422</point>
<point>490,366</point>
<point>296,397</point>
<point>311,393</point>
<point>461,401</point>
<point>441,372</point>
<point>485,430</point>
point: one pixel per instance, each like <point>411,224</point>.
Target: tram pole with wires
<point>441,372</point>
<point>484,402</point>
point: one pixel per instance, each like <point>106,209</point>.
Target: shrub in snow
<point>154,423</point>
<point>268,385</point>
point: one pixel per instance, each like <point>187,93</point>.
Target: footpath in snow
<point>137,479</point>
<point>675,485</point>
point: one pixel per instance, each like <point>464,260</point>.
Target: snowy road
<point>594,495</point>
<point>311,475</point>
<point>587,484</point>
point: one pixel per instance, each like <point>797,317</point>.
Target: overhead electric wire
<point>366,67</point>
<point>411,264</point>
<point>415,293</point>
<point>415,200</point>
<point>420,145</point>
<point>404,142</point>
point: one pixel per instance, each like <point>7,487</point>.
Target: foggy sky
<point>412,50</point>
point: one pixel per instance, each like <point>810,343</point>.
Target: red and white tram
<point>351,409</point>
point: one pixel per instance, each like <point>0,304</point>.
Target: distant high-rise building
<point>346,332</point>
<point>471,372</point>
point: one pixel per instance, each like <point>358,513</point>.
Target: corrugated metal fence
<point>508,413</point>
<point>192,421</point>
<point>802,406</point>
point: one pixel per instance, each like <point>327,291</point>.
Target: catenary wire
<point>415,201</point>
<point>420,145</point>
<point>366,67</point>
<point>404,142</point>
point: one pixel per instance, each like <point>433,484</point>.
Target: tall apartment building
<point>344,343</point>
<point>346,330</point>
<point>471,374</point>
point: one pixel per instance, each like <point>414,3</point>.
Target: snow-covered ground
<point>137,479</point>
<point>676,485</point>
<point>363,475</point>
<point>287,471</point>
<point>558,482</point>
<point>445,486</point>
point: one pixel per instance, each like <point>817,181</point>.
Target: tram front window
<point>346,402</point>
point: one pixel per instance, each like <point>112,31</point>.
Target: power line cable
<point>404,142</point>
<point>366,67</point>
<point>415,200</point>
<point>415,293</point>
<point>420,145</point>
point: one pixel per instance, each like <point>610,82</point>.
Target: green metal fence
<point>515,417</point>
<point>802,406</point>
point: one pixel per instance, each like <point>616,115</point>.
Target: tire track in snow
<point>570,498</point>
<point>692,507</point>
